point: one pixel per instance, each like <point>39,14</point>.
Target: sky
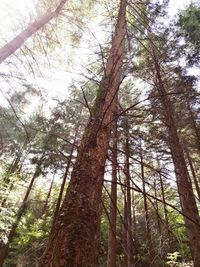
<point>15,14</point>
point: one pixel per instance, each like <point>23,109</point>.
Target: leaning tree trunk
<point>193,173</point>
<point>74,239</point>
<point>194,126</point>
<point>13,168</point>
<point>32,28</point>
<point>189,207</point>
<point>60,196</point>
<point>4,251</point>
<point>46,203</point>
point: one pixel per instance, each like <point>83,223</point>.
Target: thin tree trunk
<point>128,203</point>
<point>150,249</point>
<point>5,249</point>
<point>59,200</point>
<point>157,213</point>
<point>32,28</point>
<point>74,240</point>
<point>134,227</point>
<point>189,207</point>
<point>194,125</point>
<point>13,168</point>
<point>112,241</point>
<point>44,210</point>
<point>196,183</point>
<point>164,201</point>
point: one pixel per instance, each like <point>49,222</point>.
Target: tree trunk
<point>194,176</point>
<point>74,239</point>
<point>59,200</point>
<point>194,126</point>
<point>160,233</point>
<point>163,196</point>
<point>32,28</point>
<point>112,241</point>
<point>5,248</point>
<point>134,227</point>
<point>128,204</point>
<point>150,249</point>
<point>13,168</point>
<point>44,210</point>
<point>189,207</point>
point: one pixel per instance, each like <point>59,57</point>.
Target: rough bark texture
<point>74,239</point>
<point>189,207</point>
<point>112,241</point>
<point>32,28</point>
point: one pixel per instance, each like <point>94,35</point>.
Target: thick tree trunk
<point>32,28</point>
<point>74,239</point>
<point>112,241</point>
<point>189,207</point>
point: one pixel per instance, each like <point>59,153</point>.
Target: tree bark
<point>150,249</point>
<point>32,28</point>
<point>189,207</point>
<point>194,176</point>
<point>112,241</point>
<point>162,189</point>
<point>194,126</point>
<point>128,204</point>
<point>59,200</point>
<point>74,239</point>
<point>44,210</point>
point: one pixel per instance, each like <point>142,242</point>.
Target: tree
<point>75,238</point>
<point>189,207</point>
<point>112,239</point>
<point>20,39</point>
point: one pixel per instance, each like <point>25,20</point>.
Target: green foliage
<point>190,23</point>
<point>32,232</point>
<point>52,125</point>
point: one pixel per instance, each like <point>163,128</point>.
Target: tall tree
<point>189,207</point>
<point>74,240</point>
<point>32,28</point>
